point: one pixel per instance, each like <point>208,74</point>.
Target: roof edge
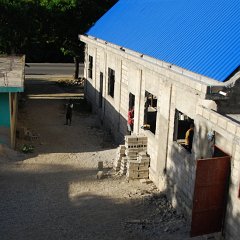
<point>176,69</point>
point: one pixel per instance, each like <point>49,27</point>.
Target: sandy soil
<point>53,193</point>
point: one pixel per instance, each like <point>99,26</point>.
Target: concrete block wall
<point>232,222</point>
<point>228,139</point>
<point>180,164</point>
<point>89,88</point>
<point>173,91</point>
<point>137,78</point>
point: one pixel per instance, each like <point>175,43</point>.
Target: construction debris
<point>145,181</point>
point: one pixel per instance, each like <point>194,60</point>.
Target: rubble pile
<point>161,221</point>
<point>132,159</point>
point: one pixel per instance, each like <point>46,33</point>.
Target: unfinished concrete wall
<point>180,164</point>
<point>172,168</point>
<point>228,139</point>
<point>135,78</point>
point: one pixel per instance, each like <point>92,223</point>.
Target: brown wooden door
<point>210,194</point>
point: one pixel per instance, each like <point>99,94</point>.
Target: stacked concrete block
<point>138,160</point>
<point>120,154</point>
<point>135,144</point>
<point>140,168</point>
<point>123,169</point>
<point>132,159</point>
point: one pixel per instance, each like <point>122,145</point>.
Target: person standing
<point>130,121</point>
<point>69,113</point>
<point>189,138</point>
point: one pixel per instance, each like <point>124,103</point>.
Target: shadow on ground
<point>59,202</point>
<point>44,119</point>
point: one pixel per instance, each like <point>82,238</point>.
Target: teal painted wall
<point>4,110</point>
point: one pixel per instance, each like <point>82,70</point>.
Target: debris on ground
<point>100,175</point>
<point>100,165</point>
<point>145,181</point>
<point>162,218</point>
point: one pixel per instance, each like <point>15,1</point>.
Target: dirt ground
<point>53,193</point>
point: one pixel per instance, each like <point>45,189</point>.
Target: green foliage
<point>27,148</point>
<point>62,5</point>
<point>47,30</point>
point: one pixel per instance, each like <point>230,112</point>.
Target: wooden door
<point>210,194</point>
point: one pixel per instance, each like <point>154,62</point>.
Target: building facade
<point>203,179</point>
<point>11,83</point>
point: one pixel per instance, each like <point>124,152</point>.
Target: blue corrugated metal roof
<point>202,36</point>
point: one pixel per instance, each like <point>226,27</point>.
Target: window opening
<point>131,100</point>
<point>130,122</point>
<point>150,112</point>
<point>101,90</point>
<point>90,66</point>
<point>111,82</point>
<point>184,130</point>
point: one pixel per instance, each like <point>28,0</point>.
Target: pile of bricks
<point>139,168</point>
<point>132,158</point>
<point>120,154</point>
<point>123,168</point>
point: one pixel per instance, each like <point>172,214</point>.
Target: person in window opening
<point>69,113</point>
<point>189,138</point>
<point>130,121</point>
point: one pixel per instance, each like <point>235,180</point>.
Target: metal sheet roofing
<point>202,36</point>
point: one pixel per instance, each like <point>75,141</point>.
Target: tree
<point>47,30</point>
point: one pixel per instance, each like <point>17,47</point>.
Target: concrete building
<point>177,63</point>
<point>11,83</point>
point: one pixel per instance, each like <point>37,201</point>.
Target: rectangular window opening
<point>130,121</point>
<point>101,90</point>
<point>90,66</point>
<point>111,82</point>
<point>150,112</point>
<point>183,130</point>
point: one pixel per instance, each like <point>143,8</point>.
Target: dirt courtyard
<point>53,193</point>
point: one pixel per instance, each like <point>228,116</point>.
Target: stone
<point>100,175</point>
<point>145,181</point>
<point>100,165</point>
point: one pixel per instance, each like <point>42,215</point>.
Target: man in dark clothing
<point>69,113</point>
